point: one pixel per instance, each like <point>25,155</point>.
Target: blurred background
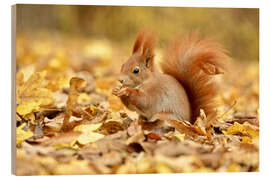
<point>236,28</point>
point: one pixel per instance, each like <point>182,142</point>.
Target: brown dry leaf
<point>202,121</point>
<point>153,136</point>
<point>30,95</point>
<point>111,127</point>
<point>53,125</point>
<point>91,110</point>
<point>113,142</point>
<point>188,129</point>
<point>66,138</point>
<point>90,82</point>
<point>72,106</point>
<point>241,119</point>
<point>72,103</point>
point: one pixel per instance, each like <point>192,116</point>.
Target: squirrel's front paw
<point>120,91</point>
<point>116,90</point>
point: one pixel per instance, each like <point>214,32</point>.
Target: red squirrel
<point>186,84</point>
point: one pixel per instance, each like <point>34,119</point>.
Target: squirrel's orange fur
<point>185,58</point>
<point>186,84</point>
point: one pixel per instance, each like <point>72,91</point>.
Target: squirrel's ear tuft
<point>139,41</point>
<point>148,50</point>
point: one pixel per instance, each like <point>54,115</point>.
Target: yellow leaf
<point>85,128</point>
<point>246,139</point>
<point>22,135</point>
<point>93,110</point>
<point>180,136</point>
<point>243,129</point>
<point>31,95</point>
<point>27,107</point>
<point>234,168</point>
<point>88,136</point>
<point>162,168</point>
<point>61,146</point>
<point>30,117</point>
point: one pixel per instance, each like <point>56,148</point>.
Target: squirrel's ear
<point>138,42</point>
<point>148,58</point>
<point>148,51</point>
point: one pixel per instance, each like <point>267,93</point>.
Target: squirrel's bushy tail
<point>194,62</point>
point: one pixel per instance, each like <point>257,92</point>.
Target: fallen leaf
<point>188,129</point>
<point>65,138</point>
<point>179,136</point>
<point>72,106</point>
<point>88,136</point>
<point>111,127</point>
<point>31,95</point>
<point>153,136</point>
<point>243,129</point>
<point>84,128</point>
<point>22,135</point>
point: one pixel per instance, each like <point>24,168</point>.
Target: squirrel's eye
<point>136,70</point>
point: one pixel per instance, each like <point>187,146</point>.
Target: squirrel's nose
<point>121,80</point>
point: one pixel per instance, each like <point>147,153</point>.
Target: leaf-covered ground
<point>68,121</point>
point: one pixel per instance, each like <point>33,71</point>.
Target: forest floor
<point>72,79</point>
